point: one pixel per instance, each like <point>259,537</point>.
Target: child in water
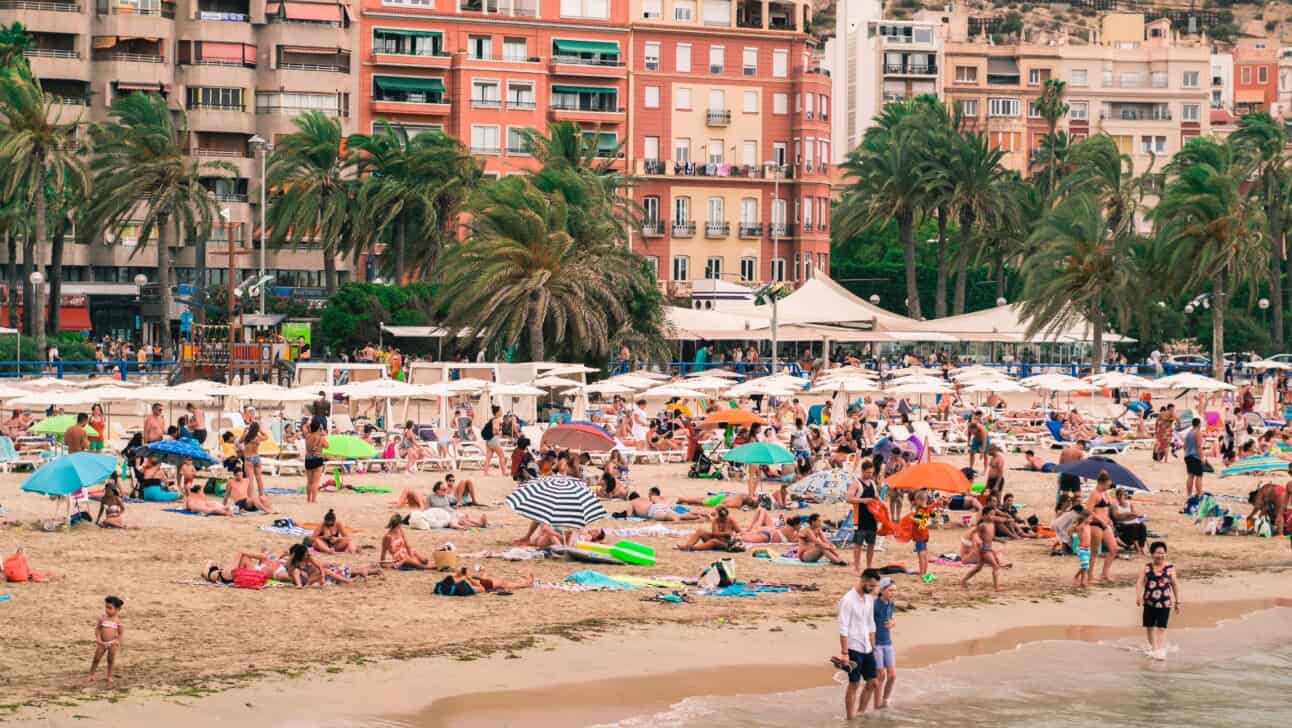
<point>107,636</point>
<point>1082,529</point>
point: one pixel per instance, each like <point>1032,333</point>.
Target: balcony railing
<point>717,229</point>
<point>652,229</point>
<point>388,51</point>
<point>128,57</point>
<point>68,100</point>
<point>484,149</point>
<point>49,7</point>
<point>225,153</point>
<point>781,230</point>
<point>754,22</point>
<point>223,17</point>
<point>654,166</point>
<point>683,229</point>
<point>750,230</point>
<point>807,227</point>
<point>167,10</point>
<point>50,53</point>
<point>718,117</point>
<point>216,107</point>
<point>580,61</point>
<point>492,7</point>
<point>559,106</point>
<point>912,68</point>
<point>1136,116</point>
<point>219,62</point>
<point>325,67</point>
<point>479,103</point>
<point>229,196</point>
<point>713,169</point>
<point>522,105</point>
<point>298,109</point>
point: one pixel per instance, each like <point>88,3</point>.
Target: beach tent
<point>1005,324</point>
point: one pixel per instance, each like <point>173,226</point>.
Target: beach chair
<point>342,424</point>
<point>632,455</point>
<point>470,452</point>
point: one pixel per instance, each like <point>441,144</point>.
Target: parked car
<point>1177,363</point>
<point>1281,358</point>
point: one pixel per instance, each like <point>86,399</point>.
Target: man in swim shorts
<point>1069,483</point>
<point>856,643</point>
<point>977,438</point>
<point>995,470</point>
<point>861,494</point>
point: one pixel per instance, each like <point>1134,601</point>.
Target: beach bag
<point>487,433</point>
<point>249,579</point>
<point>718,575</point>
<point>16,567</point>
<point>446,587</point>
<point>429,519</point>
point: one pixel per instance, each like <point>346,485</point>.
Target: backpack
<point>249,579</point>
<point>16,567</point>
<point>718,575</point>
<point>487,432</point>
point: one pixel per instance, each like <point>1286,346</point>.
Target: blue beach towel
<point>741,589</point>
<point>783,561</point>
<point>287,530</point>
<point>282,491</point>
<point>588,577</point>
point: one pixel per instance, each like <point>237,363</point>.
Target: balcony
<point>164,10</point>
<point>714,230</point>
<point>306,59</point>
<point>599,62</point>
<point>229,196</point>
<point>781,230</point>
<point>910,69</point>
<point>478,102</point>
<point>199,106</point>
<point>39,6</point>
<point>653,166</point>
<point>505,8</point>
<point>750,230</point>
<point>807,227</point>
<point>485,148</point>
<point>718,169</point>
<point>587,108</point>
<point>127,57</point>
<point>718,117</point>
<point>437,106</point>
<point>50,53</point>
<point>1136,115</point>
<point>683,229</point>
<point>521,105</point>
<point>652,229</point>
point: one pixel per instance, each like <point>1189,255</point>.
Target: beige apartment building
<point>1142,83</point>
<point>240,68</point>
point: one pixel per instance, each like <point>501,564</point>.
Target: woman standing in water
<point>1158,591</point>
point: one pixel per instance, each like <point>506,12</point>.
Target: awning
<point>410,33</point>
<point>1249,96</point>
<point>408,83</point>
<point>605,48</point>
<point>249,54</point>
<point>606,140</point>
<point>415,332</point>
<point>210,51</point>
<point>1002,67</point>
<point>585,90</point>
<point>70,318</point>
<point>105,41</point>
<point>330,13</point>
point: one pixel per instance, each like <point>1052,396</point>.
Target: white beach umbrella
<point>915,379</point>
<point>1002,386</point>
<point>7,392</point>
<point>921,388</point>
<point>72,398</point>
<point>170,395</point>
<point>562,369</point>
<point>380,389</point>
<point>517,390</point>
<point>846,385</point>
<point>1055,383</point>
<point>904,371</point>
<point>722,373</point>
<point>44,383</point>
<point>1268,364</point>
<point>1189,380</point>
<point>633,381</point>
<point>679,390</point>
<point>551,382</point>
<point>206,386</point>
<point>111,393</point>
<point>1122,380</point>
<point>603,387</point>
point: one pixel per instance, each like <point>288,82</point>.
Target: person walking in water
<point>1158,592</point>
<point>857,643</point>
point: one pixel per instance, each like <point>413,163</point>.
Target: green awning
<point>585,90</point>
<point>605,48</point>
<point>606,140</point>
<point>409,84</point>
<point>409,33</point>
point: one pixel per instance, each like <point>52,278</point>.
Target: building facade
<point>238,68</point>
<point>1256,70</point>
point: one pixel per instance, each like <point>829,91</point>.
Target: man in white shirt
<point>640,423</point>
<point>857,643</point>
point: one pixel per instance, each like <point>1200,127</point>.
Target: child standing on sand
<point>1082,531</point>
<point>108,631</point>
<point>920,518</point>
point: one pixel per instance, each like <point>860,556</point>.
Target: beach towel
<point>369,489</point>
<point>183,511</point>
<point>5,597</point>
<point>204,582</point>
<point>741,589</point>
<point>786,561</point>
<point>659,530</point>
<point>658,583</point>
<point>1253,465</point>
<point>943,561</point>
<point>283,491</point>
<point>286,530</point>
<point>596,579</point>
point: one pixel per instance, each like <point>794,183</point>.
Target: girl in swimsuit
<point>315,444</point>
<point>331,537</point>
<point>251,440</point>
<point>111,507</point>
<point>108,631</point>
<point>396,553</point>
<point>814,546</point>
<point>100,425</point>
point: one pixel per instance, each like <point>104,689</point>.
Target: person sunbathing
<point>658,508</point>
<point>195,502</point>
<point>111,507</point>
<point>463,492</point>
<point>814,546</point>
<point>766,529</point>
<point>540,535</point>
<point>727,500</point>
<point>720,536</point>
<point>611,488</point>
<point>237,492</point>
<point>410,498</point>
<point>396,553</point>
<point>331,537</point>
<point>272,567</point>
<point>491,584</point>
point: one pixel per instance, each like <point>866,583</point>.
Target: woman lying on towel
<point>765,528</point>
<point>462,584</point>
<point>305,570</point>
<point>271,566</point>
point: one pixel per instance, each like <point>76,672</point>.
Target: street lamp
<point>776,232</point>
<point>1264,303</point>
<point>1188,308</point>
<point>141,280</point>
<point>1001,301</point>
<point>38,320</point>
<point>874,298</point>
<point>264,147</point>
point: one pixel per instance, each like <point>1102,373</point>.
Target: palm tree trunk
<point>1218,324</point>
<point>401,270</point>
<point>38,317</point>
<point>1000,275</point>
<point>56,277</point>
<point>962,260</point>
<point>906,230</point>
<point>28,299</point>
<point>163,275</point>
<point>11,277</point>
<point>199,274</point>
<point>940,303</point>
<point>1274,212</point>
<point>1097,340</point>
<point>536,332</point>
<point>329,272</point>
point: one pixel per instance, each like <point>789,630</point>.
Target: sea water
<point>1237,674</point>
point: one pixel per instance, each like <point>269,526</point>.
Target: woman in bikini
<point>765,530</point>
<point>268,564</point>
<point>315,444</point>
<point>720,536</point>
<point>251,440</point>
<point>331,537</point>
<point>302,568</point>
<point>410,447</point>
<point>814,546</point>
<point>100,424</point>
<point>396,553</point>
<point>111,507</point>
<point>1101,520</point>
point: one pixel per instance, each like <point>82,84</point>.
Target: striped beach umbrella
<point>559,501</point>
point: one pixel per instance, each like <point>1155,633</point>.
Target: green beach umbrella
<point>58,425</point>
<point>349,447</point>
<point>760,453</point>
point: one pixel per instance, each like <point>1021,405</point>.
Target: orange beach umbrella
<point>934,476</point>
<point>738,417</point>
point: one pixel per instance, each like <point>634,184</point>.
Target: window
<point>1247,74</point>
<point>748,269</point>
<point>1128,79</point>
<point>1079,77</point>
<point>681,210</point>
<point>808,206</point>
<point>780,63</point>
<point>749,61</point>
<point>717,99</point>
<point>652,262</point>
<point>1079,111</point>
<point>807,266</point>
<point>681,268</point>
<point>1033,110</point>
<point>273,102</point>
<point>399,42</point>
<point>480,47</point>
<point>717,59</point>
<point>484,93</point>
<point>749,152</point>
<point>650,147</point>
<point>1262,74</point>
<point>585,9</point>
<point>683,60</point>
<point>684,10</point>
<point>780,104</point>
<point>651,61</point>
<point>1034,77</point>
<point>1002,107</point>
<point>715,151</point>
<point>749,211</point>
<point>1107,75</point>
<point>750,105</point>
<point>1191,112</point>
<point>518,140</point>
<point>515,50</point>
<point>520,95</point>
<point>1191,79</point>
<point>778,213</point>
<point>682,98</point>
<point>219,99</point>
<point>650,211</point>
<point>651,9</point>
<point>967,108</point>
<point>778,269</point>
<point>713,268</point>
<point>778,153</point>
<point>966,74</point>
<point>682,150</point>
<point>484,139</point>
<point>652,97</point>
<point>717,12</point>
<point>422,3</point>
<point>1158,79</point>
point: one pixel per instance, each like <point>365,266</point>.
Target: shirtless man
<point>237,493</point>
<point>995,470</point>
<point>728,500</point>
<point>1070,483</point>
<point>154,425</point>
<point>658,508</point>
<point>870,419</point>
<point>977,439</point>
<point>196,422</point>
<point>984,534</point>
<point>1271,499</point>
<point>75,439</point>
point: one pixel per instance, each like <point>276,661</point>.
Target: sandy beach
<point>388,647</point>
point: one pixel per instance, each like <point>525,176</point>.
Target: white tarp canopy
<point>821,300</point>
<point>416,332</point>
<point>1006,324</point>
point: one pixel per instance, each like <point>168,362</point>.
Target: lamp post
<point>1001,301</point>
<point>38,318</point>
<point>874,298</point>
<point>776,233</point>
<point>264,147</point>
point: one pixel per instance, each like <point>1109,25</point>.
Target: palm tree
<point>1051,107</point>
<point>63,205</point>
<point>1051,162</point>
<point>1099,168</point>
<point>1209,229</point>
<point>980,192</point>
<point>141,173</point>
<point>311,175</point>
<point>1082,270</point>
<point>1263,139</point>
<point>523,276</point>
<point>570,163</point>
<point>13,217</point>
<point>941,133</point>
<point>14,39</point>
<point>37,153</point>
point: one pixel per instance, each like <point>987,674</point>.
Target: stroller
<point>704,467</point>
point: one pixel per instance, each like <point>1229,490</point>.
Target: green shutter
<point>605,48</point>
<point>408,84</point>
<point>408,33</point>
<point>585,90</point>
<point>607,142</point>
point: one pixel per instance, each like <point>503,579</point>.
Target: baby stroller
<point>703,467</point>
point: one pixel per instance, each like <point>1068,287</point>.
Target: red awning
<point>330,13</point>
<point>249,54</point>
<point>70,318</point>
<point>1221,116</point>
<point>220,51</point>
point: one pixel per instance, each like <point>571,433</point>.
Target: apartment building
<point>1255,79</point>
<point>1284,107</point>
<point>240,69</point>
<point>730,134</point>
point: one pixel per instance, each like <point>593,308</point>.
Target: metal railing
<point>653,229</point>
<point>227,153</point>
<point>220,63</point>
<point>49,7</point>
<point>223,17</point>
<point>580,61</point>
<point>275,20</point>
<point>443,100</point>
<point>119,369</point>
<point>1136,116</point>
<point>781,230</point>
<point>653,166</point>
<point>557,106</point>
<point>683,229</point>
<point>484,149</point>
<point>717,117</point>
<point>296,109</point>
<point>69,100</point>
<point>477,103</point>
<point>50,53</point>
<point>717,229</point>
<point>910,68</point>
<point>167,10</point>
<point>494,8</point>
<point>522,105</point>
<point>128,57</point>
<point>229,196</point>
<point>750,171</point>
<point>750,230</point>
<point>200,106</point>
<point>434,53</point>
<point>325,67</point>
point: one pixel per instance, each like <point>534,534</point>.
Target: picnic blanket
<point>742,589</point>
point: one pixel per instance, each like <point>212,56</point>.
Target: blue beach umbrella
<point>175,452</point>
<point>67,474</point>
<point>1089,468</point>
